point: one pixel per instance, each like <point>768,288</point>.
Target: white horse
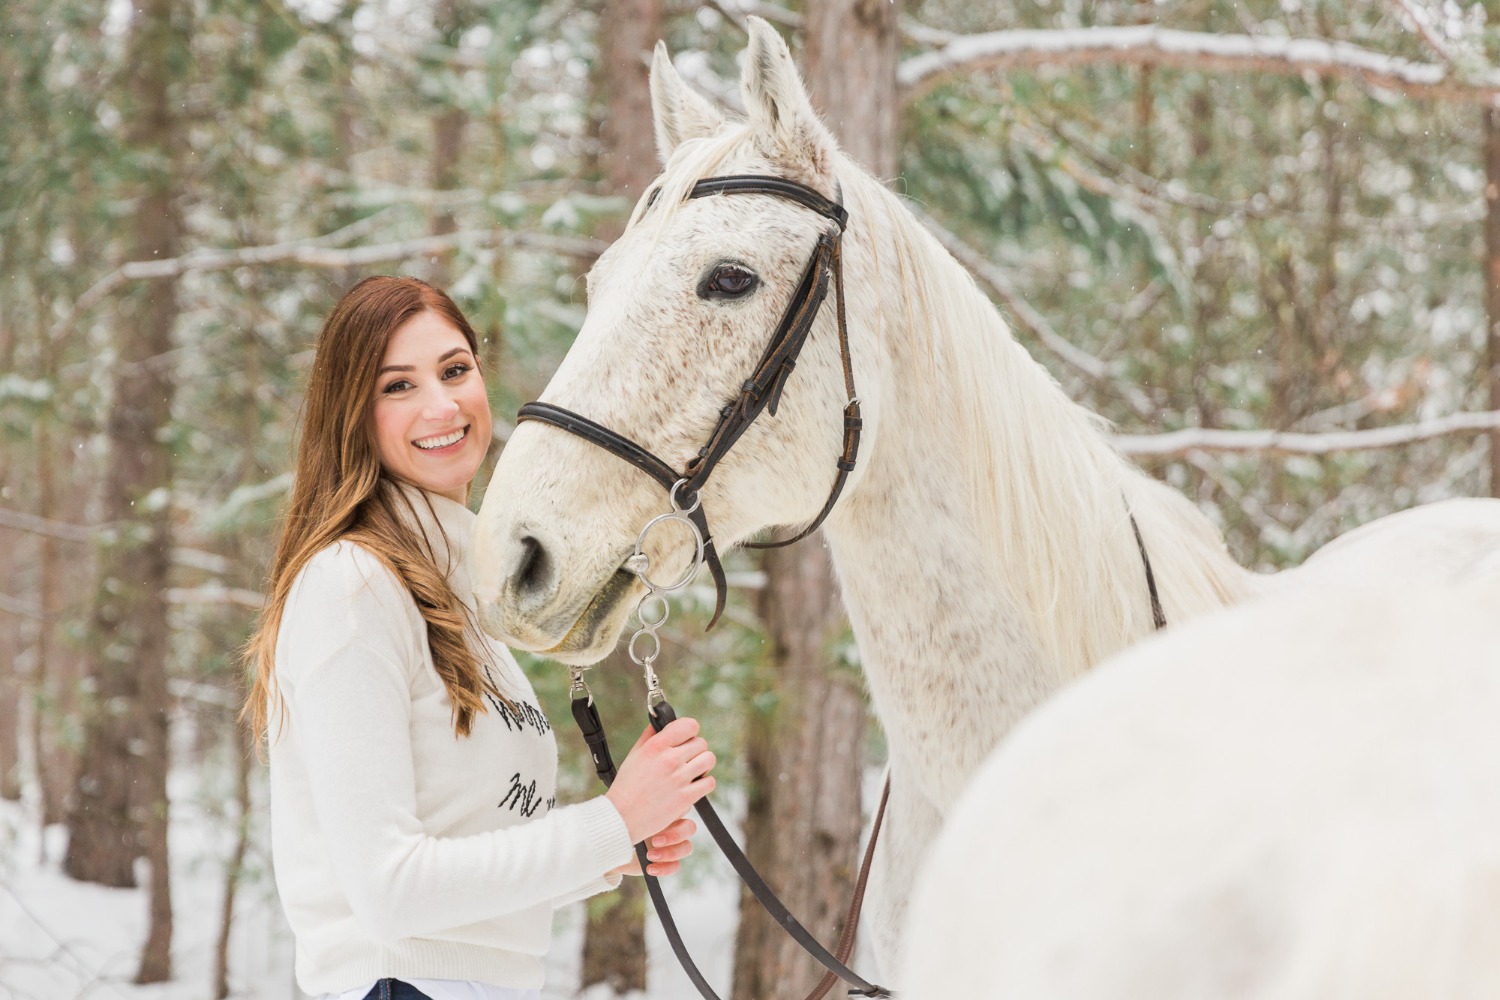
<point>983,544</point>
<point>1296,799</point>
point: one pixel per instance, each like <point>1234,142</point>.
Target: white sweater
<point>401,849</point>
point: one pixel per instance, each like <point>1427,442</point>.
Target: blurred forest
<point>1260,236</point>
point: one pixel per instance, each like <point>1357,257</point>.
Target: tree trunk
<point>1492,278</point>
<point>10,709</point>
<point>628,30</point>
<point>851,74</point>
<point>120,810</point>
<point>448,126</point>
<point>57,671</point>
<point>614,937</point>
<point>234,871</point>
<point>11,688</point>
<point>11,623</point>
<point>805,757</point>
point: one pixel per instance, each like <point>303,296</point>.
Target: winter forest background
<point>1261,237</point>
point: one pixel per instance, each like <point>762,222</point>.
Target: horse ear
<point>781,114</point>
<point>679,112</point>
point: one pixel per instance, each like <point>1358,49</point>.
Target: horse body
<point>983,544</point>
<point>1295,798</point>
<point>969,604</point>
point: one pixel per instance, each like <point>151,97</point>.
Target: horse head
<point>680,311</point>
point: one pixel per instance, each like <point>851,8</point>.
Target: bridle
<point>759,393</point>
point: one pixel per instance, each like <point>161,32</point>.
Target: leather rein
<point>759,393</point>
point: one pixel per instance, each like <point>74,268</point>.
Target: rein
<point>759,393</point>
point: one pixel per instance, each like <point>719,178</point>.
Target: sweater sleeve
<point>350,635</point>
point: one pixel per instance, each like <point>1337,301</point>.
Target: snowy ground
<point>65,940</point>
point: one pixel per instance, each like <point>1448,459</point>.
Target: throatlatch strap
<point>1158,615</point>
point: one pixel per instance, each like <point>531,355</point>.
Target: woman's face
<point>431,416</point>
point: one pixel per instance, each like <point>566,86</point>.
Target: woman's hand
<point>664,851</point>
<point>661,778</point>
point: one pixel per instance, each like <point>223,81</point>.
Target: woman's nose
<point>439,406</point>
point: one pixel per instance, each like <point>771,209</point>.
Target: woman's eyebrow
<point>412,368</point>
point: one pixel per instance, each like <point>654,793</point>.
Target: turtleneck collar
<point>446,524</point>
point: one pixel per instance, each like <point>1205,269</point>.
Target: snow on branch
<point>1201,439</point>
<point>1149,45</point>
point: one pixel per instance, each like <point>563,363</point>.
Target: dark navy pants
<point>395,989</point>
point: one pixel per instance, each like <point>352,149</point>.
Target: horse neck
<point>986,552</point>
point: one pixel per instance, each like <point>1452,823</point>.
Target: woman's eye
<point>728,281</point>
<point>454,371</point>
<point>400,385</point>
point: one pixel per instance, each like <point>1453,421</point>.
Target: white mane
<point>1055,500</point>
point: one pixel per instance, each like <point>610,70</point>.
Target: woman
<point>419,851</point>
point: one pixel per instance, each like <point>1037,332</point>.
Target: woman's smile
<point>443,444</point>
<point>431,417</point>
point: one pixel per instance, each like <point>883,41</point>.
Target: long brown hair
<point>340,491</point>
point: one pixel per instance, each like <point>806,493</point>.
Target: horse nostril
<point>534,570</point>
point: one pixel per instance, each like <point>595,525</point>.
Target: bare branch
<point>31,524</point>
<point>735,11</point>
<point>84,534</point>
<point>24,609</point>
<point>1149,45</point>
<point>203,694</point>
<point>215,593</point>
<point>1034,322</point>
<point>306,254</point>
<point>1177,443</point>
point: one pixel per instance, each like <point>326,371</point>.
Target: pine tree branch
<point>1418,17</point>
<point>1178,443</point>
<point>1150,45</point>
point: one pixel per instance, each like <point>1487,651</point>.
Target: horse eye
<point>727,281</point>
